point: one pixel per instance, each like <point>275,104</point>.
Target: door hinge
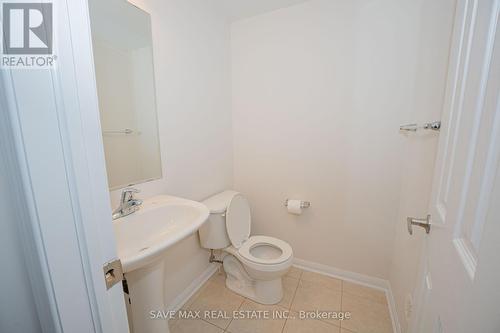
<point>113,273</point>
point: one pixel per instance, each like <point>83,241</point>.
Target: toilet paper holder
<point>303,204</point>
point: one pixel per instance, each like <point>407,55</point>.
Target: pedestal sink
<point>142,239</point>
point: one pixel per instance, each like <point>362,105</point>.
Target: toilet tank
<point>213,234</point>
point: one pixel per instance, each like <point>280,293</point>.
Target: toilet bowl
<point>254,265</point>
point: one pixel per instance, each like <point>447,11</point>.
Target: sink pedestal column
<point>146,294</point>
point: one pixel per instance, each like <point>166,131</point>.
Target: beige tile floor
<point>303,291</point>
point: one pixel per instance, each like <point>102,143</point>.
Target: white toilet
<point>254,265</point>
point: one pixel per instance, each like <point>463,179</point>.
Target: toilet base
<point>260,291</point>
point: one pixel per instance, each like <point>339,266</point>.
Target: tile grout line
<point>191,301</point>
<point>197,296</point>
<point>238,309</point>
<point>291,302</point>
<point>341,295</point>
<point>213,325</point>
<point>366,298</point>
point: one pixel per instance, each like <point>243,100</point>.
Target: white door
<point>55,150</point>
<point>459,287</point>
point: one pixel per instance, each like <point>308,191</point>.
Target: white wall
<point>238,9</point>
<point>191,58</point>
<point>319,92</point>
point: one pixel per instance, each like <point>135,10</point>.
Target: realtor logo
<point>27,31</point>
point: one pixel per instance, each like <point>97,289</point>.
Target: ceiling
<point>238,9</point>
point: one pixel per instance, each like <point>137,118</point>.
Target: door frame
<point>56,111</point>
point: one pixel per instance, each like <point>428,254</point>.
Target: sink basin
<point>161,222</point>
<point>142,239</point>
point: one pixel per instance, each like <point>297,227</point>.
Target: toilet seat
<point>264,241</point>
<point>261,252</point>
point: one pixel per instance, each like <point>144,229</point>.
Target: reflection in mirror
<point>123,57</point>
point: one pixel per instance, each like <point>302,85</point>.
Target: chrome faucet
<point>128,204</point>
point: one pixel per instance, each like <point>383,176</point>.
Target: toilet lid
<point>238,220</point>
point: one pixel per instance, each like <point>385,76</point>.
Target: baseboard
<point>392,308</point>
<point>193,287</point>
<point>365,280</point>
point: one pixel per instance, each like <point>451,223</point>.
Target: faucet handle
<point>131,190</point>
<point>128,193</point>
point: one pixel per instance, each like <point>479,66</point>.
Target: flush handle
<point>423,223</point>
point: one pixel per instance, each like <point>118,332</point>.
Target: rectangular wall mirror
<point>123,57</point>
